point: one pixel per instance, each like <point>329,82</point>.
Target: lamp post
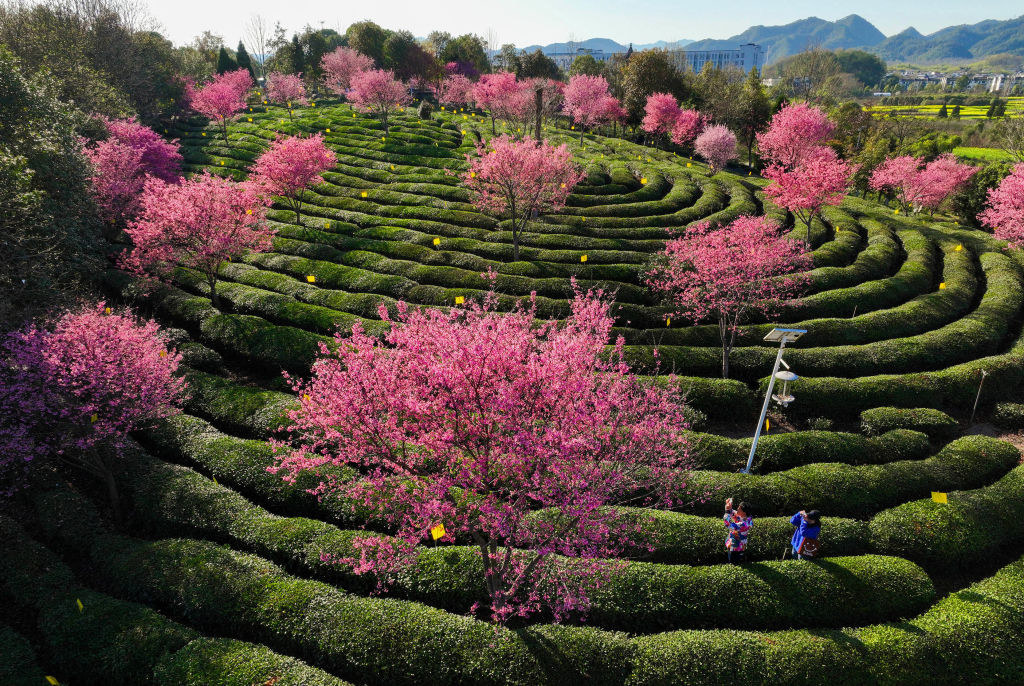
<point>782,336</point>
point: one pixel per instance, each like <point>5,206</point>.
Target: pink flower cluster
<point>291,165</point>
<point>287,89</point>
<point>83,383</point>
<point>341,65</point>
<point>663,116</point>
<point>717,145</point>
<point>1004,213</point>
<point>121,164</point>
<point>793,132</point>
<point>589,103</point>
<point>921,185</point>
<point>455,90</point>
<point>222,97</point>
<point>477,420</point>
<point>725,273</point>
<point>520,178</point>
<point>379,92</point>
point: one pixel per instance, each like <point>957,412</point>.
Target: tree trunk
<point>108,479</point>
<point>581,134</point>
<point>214,298</point>
<point>224,127</point>
<point>298,211</point>
<point>384,118</point>
<point>515,245</point>
<point>493,132</point>
<point>538,102</point>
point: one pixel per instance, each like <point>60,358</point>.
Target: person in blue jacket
<point>808,526</point>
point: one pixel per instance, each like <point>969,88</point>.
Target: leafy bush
<point>939,426</point>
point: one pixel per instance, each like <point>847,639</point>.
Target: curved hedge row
<point>939,426</point>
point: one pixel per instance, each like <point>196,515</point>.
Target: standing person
<point>737,524</point>
<point>805,537</point>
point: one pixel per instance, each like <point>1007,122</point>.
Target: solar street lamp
<point>784,398</point>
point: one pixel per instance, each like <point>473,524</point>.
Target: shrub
<point>939,426</point>
<point>1009,416</point>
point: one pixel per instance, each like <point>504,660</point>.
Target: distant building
<point>565,59</point>
<point>748,56</point>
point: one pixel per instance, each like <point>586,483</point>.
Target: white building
<point>746,57</point>
<point>565,59</point>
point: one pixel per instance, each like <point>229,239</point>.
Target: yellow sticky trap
<point>942,286</point>
<point>643,180</point>
<point>668,321</point>
<point>689,164</point>
<point>437,242</point>
<point>472,175</point>
<point>312,104</point>
<point>767,424</point>
<point>222,163</point>
<point>248,211</point>
<point>52,680</point>
<point>311,279</point>
<point>940,497</point>
<point>250,118</point>
<point>363,194</point>
<point>442,107</point>
<point>106,310</point>
<point>78,602</point>
<point>392,167</point>
<point>895,211</point>
<point>382,139</point>
<point>163,353</point>
<point>215,481</point>
<point>94,418</point>
<point>353,115</point>
<point>563,185</point>
<point>583,258</point>
<point>459,300</point>
<point>438,531</point>
<point>291,111</point>
<point>463,133</point>
<point>959,248</point>
<point>749,173</point>
<point>328,225</point>
<point>306,397</point>
<point>573,128</point>
<point>204,133</point>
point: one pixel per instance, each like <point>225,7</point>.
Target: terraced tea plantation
<point>222,580</point>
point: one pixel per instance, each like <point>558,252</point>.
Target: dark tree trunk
<point>538,101</point>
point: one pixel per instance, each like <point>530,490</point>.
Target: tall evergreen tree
<point>224,61</point>
<point>298,58</point>
<point>943,112</point>
<point>243,59</point>
<point>753,111</point>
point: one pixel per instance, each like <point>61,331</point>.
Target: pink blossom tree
<point>717,145</point>
<point>379,92</point>
<point>660,114</point>
<point>200,223</point>
<point>222,97</point>
<point>496,92</point>
<point>819,179</point>
<point>541,398</point>
<point>455,90</point>
<point>518,179</point>
<point>340,66</point>
<point>286,89</point>
<point>290,166</point>
<point>728,273</point>
<point>688,125</point>
<point>1004,213</point>
<point>614,112</point>
<point>895,175</point>
<point>121,163</point>
<point>586,101</point>
<point>794,131</point>
<point>72,391</point>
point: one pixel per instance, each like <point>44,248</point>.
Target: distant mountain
<point>989,37</point>
<point>782,41</point>
<point>605,44</point>
<point>985,38</point>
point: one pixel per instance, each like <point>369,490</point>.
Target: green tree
<point>585,65</point>
<point>50,240</point>
<point>507,58</point>
<point>865,67</point>
<point>649,72</point>
<point>967,203</point>
<point>538,65</point>
<point>753,111</point>
<point>368,38</point>
<point>224,61</point>
<point>943,113</point>
<point>298,57</point>
<point>956,112</point>
<point>466,48</point>
<point>961,82</point>
<point>243,59</point>
<point>314,46</point>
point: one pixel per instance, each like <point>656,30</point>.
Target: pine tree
<point>754,111</point>
<point>943,112</point>
<point>956,112</point>
<point>224,61</point>
<point>243,59</point>
<point>298,59</point>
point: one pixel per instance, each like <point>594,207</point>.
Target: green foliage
<point>864,66</point>
<point>939,426</point>
<point>1009,416</point>
<point>225,62</point>
<point>649,72</point>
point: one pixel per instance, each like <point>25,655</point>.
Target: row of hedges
<point>970,636</point>
<point>18,666</point>
<point>111,641</point>
<point>637,596</point>
<point>939,426</point>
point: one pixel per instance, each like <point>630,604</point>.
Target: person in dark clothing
<point>805,537</point>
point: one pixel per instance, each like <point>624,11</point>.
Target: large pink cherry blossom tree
<point>378,91</point>
<point>200,223</point>
<point>520,179</point>
<point>921,185</point>
<point>729,272</point>
<point>819,178</point>
<point>223,97</point>
<point>660,114</point>
<point>1004,213</point>
<point>340,66</point>
<point>688,125</point>
<point>794,131</point>
<point>455,90</point>
<point>286,89</point>
<point>72,390</point>
<point>499,93</point>
<point>121,163</point>
<point>475,420</point>
<point>291,165</point>
<point>586,101</point>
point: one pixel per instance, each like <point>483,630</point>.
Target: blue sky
<point>524,22</point>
